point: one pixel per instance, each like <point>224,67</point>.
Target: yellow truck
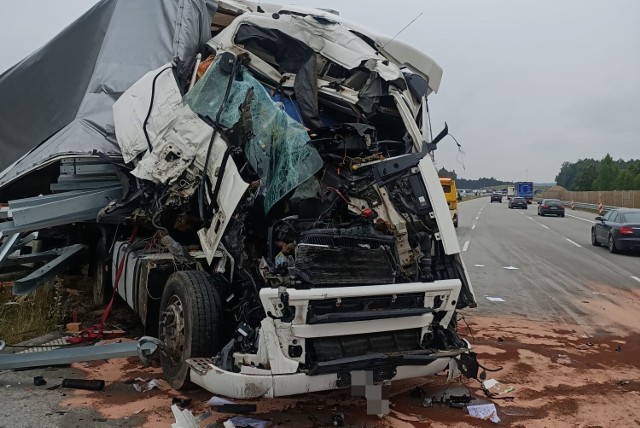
<point>449,187</point>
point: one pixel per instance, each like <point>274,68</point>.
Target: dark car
<point>518,202</point>
<point>496,197</point>
<point>551,206</point>
<point>619,229</point>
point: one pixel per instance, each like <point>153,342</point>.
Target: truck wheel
<point>100,274</point>
<point>455,222</point>
<point>190,323</point>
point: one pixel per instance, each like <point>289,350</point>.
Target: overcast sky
<point>527,84</point>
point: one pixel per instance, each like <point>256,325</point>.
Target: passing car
<point>550,206</point>
<point>518,202</point>
<point>496,197</point>
<point>619,229</point>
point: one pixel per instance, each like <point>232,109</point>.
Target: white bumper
<point>284,375</point>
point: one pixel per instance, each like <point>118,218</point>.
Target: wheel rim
<point>593,237</point>
<point>610,243</point>
<point>173,329</point>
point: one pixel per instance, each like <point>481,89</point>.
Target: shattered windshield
<point>276,146</point>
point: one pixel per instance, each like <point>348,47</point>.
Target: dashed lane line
<point>574,243</point>
<point>580,218</point>
<point>465,247</point>
<point>473,227</point>
<point>543,225</point>
<point>635,277</point>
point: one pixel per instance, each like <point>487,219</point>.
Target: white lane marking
<point>465,246</point>
<point>510,268</point>
<point>635,277</point>
<point>546,227</point>
<point>479,265</point>
<point>530,218</point>
<point>574,243</point>
<point>580,218</point>
<point>473,227</point>
<point>477,218</point>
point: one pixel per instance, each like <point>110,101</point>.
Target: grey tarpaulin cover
<point>58,101</point>
<point>276,147</point>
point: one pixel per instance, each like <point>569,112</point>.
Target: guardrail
<point>582,205</point>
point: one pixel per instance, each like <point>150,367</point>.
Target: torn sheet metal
<point>168,127</point>
<point>74,115</point>
<point>400,53</point>
<point>330,39</point>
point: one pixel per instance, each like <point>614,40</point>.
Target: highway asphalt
<point>544,268</point>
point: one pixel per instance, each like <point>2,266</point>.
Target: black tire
<point>192,304</point>
<point>612,245</point>
<point>562,215</point>
<point>594,238</point>
<point>455,222</point>
<point>100,274</point>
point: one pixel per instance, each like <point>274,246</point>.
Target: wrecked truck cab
<point>281,223</point>
<point>326,233</point>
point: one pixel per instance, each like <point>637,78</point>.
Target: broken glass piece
<point>277,146</point>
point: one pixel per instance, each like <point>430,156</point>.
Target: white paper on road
<point>484,411</point>
<point>219,401</point>
<point>495,299</point>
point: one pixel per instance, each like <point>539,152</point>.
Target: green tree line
<point>605,174</point>
<point>462,183</point>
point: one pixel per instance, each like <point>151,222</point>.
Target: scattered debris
<point>495,389</point>
<point>563,359</point>
<point>406,418</point>
<point>243,421</point>
<point>73,327</point>
<point>623,382</point>
<point>457,396</point>
<point>153,383</point>
<point>219,401</point>
<point>236,408</point>
<point>91,385</point>
<point>500,339</point>
<point>181,401</point>
<point>583,346</point>
<point>337,420</point>
<point>618,348</point>
<point>484,411</point>
<point>39,381</point>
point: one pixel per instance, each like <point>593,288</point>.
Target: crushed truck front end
<point>279,222</point>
